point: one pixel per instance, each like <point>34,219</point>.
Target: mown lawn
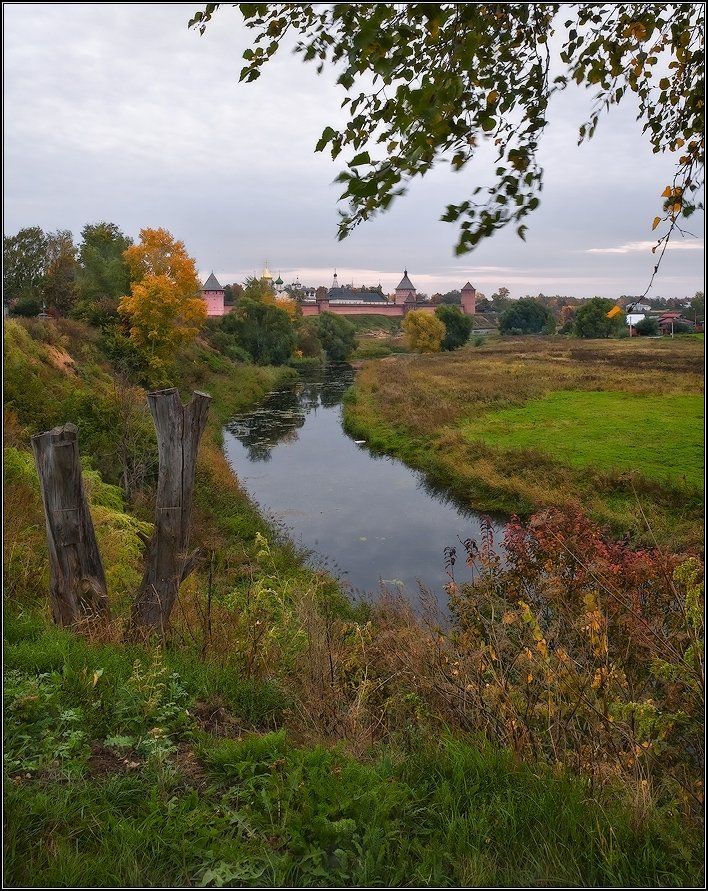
<point>660,437</point>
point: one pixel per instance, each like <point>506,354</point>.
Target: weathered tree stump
<point>179,429</point>
<point>78,583</point>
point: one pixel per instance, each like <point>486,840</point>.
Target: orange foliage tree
<point>164,308</point>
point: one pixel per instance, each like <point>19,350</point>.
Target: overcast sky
<point>120,113</point>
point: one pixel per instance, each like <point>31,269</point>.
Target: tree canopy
<point>263,330</point>
<point>164,307</point>
<point>526,316</point>
<point>24,258</point>
<point>424,331</point>
<point>59,282</point>
<point>591,319</point>
<point>103,276</point>
<point>430,83</point>
<point>647,326</point>
<point>337,336</point>
<point>458,326</point>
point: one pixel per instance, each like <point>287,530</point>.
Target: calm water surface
<point>367,518</point>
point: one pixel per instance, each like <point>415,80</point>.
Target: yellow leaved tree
<point>164,309</point>
<point>424,331</point>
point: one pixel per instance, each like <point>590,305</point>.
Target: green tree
<point>103,276</point>
<point>430,83</point>
<point>263,330</point>
<point>458,326</point>
<point>697,307</point>
<point>24,259</point>
<point>591,319</point>
<point>337,336</point>
<point>501,300</point>
<point>308,341</point>
<point>258,289</point>
<point>527,316</point>
<point>27,306</point>
<point>59,282</point>
<point>647,327</point>
<point>232,294</point>
<point>423,330</point>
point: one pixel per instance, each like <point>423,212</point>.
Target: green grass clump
<point>660,437</point>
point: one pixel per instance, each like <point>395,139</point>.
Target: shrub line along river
<point>368,519</point>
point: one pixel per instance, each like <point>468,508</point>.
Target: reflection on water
<point>366,518</point>
<point>285,410</point>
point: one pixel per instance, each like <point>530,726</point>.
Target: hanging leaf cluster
<point>430,83</point>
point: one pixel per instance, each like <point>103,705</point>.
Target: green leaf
<point>361,158</point>
<point>327,135</point>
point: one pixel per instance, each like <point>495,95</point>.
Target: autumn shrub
<point>568,649</point>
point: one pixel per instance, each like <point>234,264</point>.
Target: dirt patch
<point>60,360</point>
<point>213,718</point>
<point>104,761</point>
<point>189,766</point>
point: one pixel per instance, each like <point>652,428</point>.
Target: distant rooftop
<point>347,295</point>
<point>405,283</point>
<point>212,284</point>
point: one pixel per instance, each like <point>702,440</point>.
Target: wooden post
<point>78,583</point>
<point>179,429</point>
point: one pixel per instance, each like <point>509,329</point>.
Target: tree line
<point>145,298</point>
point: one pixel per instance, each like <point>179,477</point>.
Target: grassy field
<point>521,423</point>
<point>276,736</point>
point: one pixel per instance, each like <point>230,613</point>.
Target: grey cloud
<point>119,112</point>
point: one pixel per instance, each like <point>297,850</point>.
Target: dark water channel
<point>366,518</point>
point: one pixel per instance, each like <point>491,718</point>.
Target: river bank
<point>526,423</point>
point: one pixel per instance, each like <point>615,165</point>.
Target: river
<point>368,519</point>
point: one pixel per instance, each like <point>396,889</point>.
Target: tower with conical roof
<point>213,296</point>
<point>335,281</point>
<point>405,291</point>
<point>468,299</point>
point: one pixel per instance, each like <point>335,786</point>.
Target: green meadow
<point>660,437</point>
